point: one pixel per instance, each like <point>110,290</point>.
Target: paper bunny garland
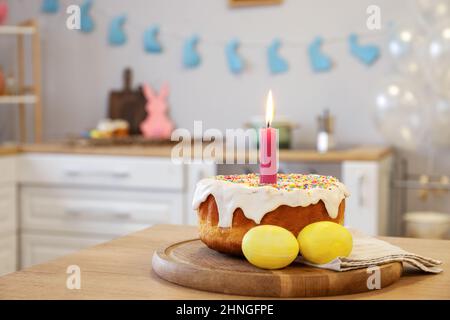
<point>368,54</point>
<point>157,125</point>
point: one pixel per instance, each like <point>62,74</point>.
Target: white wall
<point>80,70</point>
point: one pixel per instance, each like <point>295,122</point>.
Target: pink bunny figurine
<point>157,125</point>
<point>3,12</point>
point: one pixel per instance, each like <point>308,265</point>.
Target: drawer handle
<point>114,174</point>
<point>78,213</point>
<point>361,183</point>
<point>120,174</point>
<point>122,216</point>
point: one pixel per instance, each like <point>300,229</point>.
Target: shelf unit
<point>24,99</point>
<point>28,95</point>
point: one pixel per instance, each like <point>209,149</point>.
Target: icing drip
<point>255,200</point>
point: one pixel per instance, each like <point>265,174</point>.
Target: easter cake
<point>229,206</point>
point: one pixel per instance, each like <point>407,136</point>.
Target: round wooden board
<point>191,264</point>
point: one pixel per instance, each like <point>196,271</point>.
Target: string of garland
<point>320,61</point>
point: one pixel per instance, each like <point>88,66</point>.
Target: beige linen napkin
<point>368,251</point>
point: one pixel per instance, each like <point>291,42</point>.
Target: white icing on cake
<point>244,191</point>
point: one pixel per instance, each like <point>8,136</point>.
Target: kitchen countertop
<point>361,153</point>
<point>8,150</point>
<point>121,269</point>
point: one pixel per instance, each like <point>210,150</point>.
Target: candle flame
<point>270,109</point>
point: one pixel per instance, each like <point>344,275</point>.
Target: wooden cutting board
<point>128,104</point>
<point>191,264</point>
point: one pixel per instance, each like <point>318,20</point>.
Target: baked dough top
<point>255,200</point>
<point>287,182</point>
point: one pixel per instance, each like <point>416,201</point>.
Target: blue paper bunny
<point>235,62</point>
<point>86,22</point>
<point>117,36</point>
<point>151,44</point>
<point>319,61</point>
<point>50,6</point>
<point>367,54</point>
<point>276,63</point>
<point>191,58</point>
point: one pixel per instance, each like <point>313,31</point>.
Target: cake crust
<point>229,240</point>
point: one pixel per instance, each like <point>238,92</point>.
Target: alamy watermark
<point>234,146</point>
<point>374,280</point>
<point>73,21</point>
<point>373,21</point>
<point>73,281</point>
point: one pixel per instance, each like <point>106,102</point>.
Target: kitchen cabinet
<point>96,211</point>
<point>72,201</point>
<point>59,199</point>
<point>8,208</point>
<point>8,215</point>
<point>101,171</point>
<point>367,209</point>
<point>197,172</point>
<point>8,253</point>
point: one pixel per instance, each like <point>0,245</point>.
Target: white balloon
<point>400,112</point>
<point>438,57</point>
<point>433,11</point>
<point>440,117</point>
<point>406,46</point>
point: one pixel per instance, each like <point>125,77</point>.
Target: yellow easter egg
<point>324,241</point>
<point>270,247</point>
<point>94,134</point>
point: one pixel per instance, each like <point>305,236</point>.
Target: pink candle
<point>268,148</point>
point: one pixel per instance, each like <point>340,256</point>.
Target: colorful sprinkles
<point>286,182</point>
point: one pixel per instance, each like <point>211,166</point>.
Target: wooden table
<point>121,269</point>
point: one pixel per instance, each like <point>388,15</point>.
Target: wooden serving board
<point>191,264</point>
<point>128,104</point>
